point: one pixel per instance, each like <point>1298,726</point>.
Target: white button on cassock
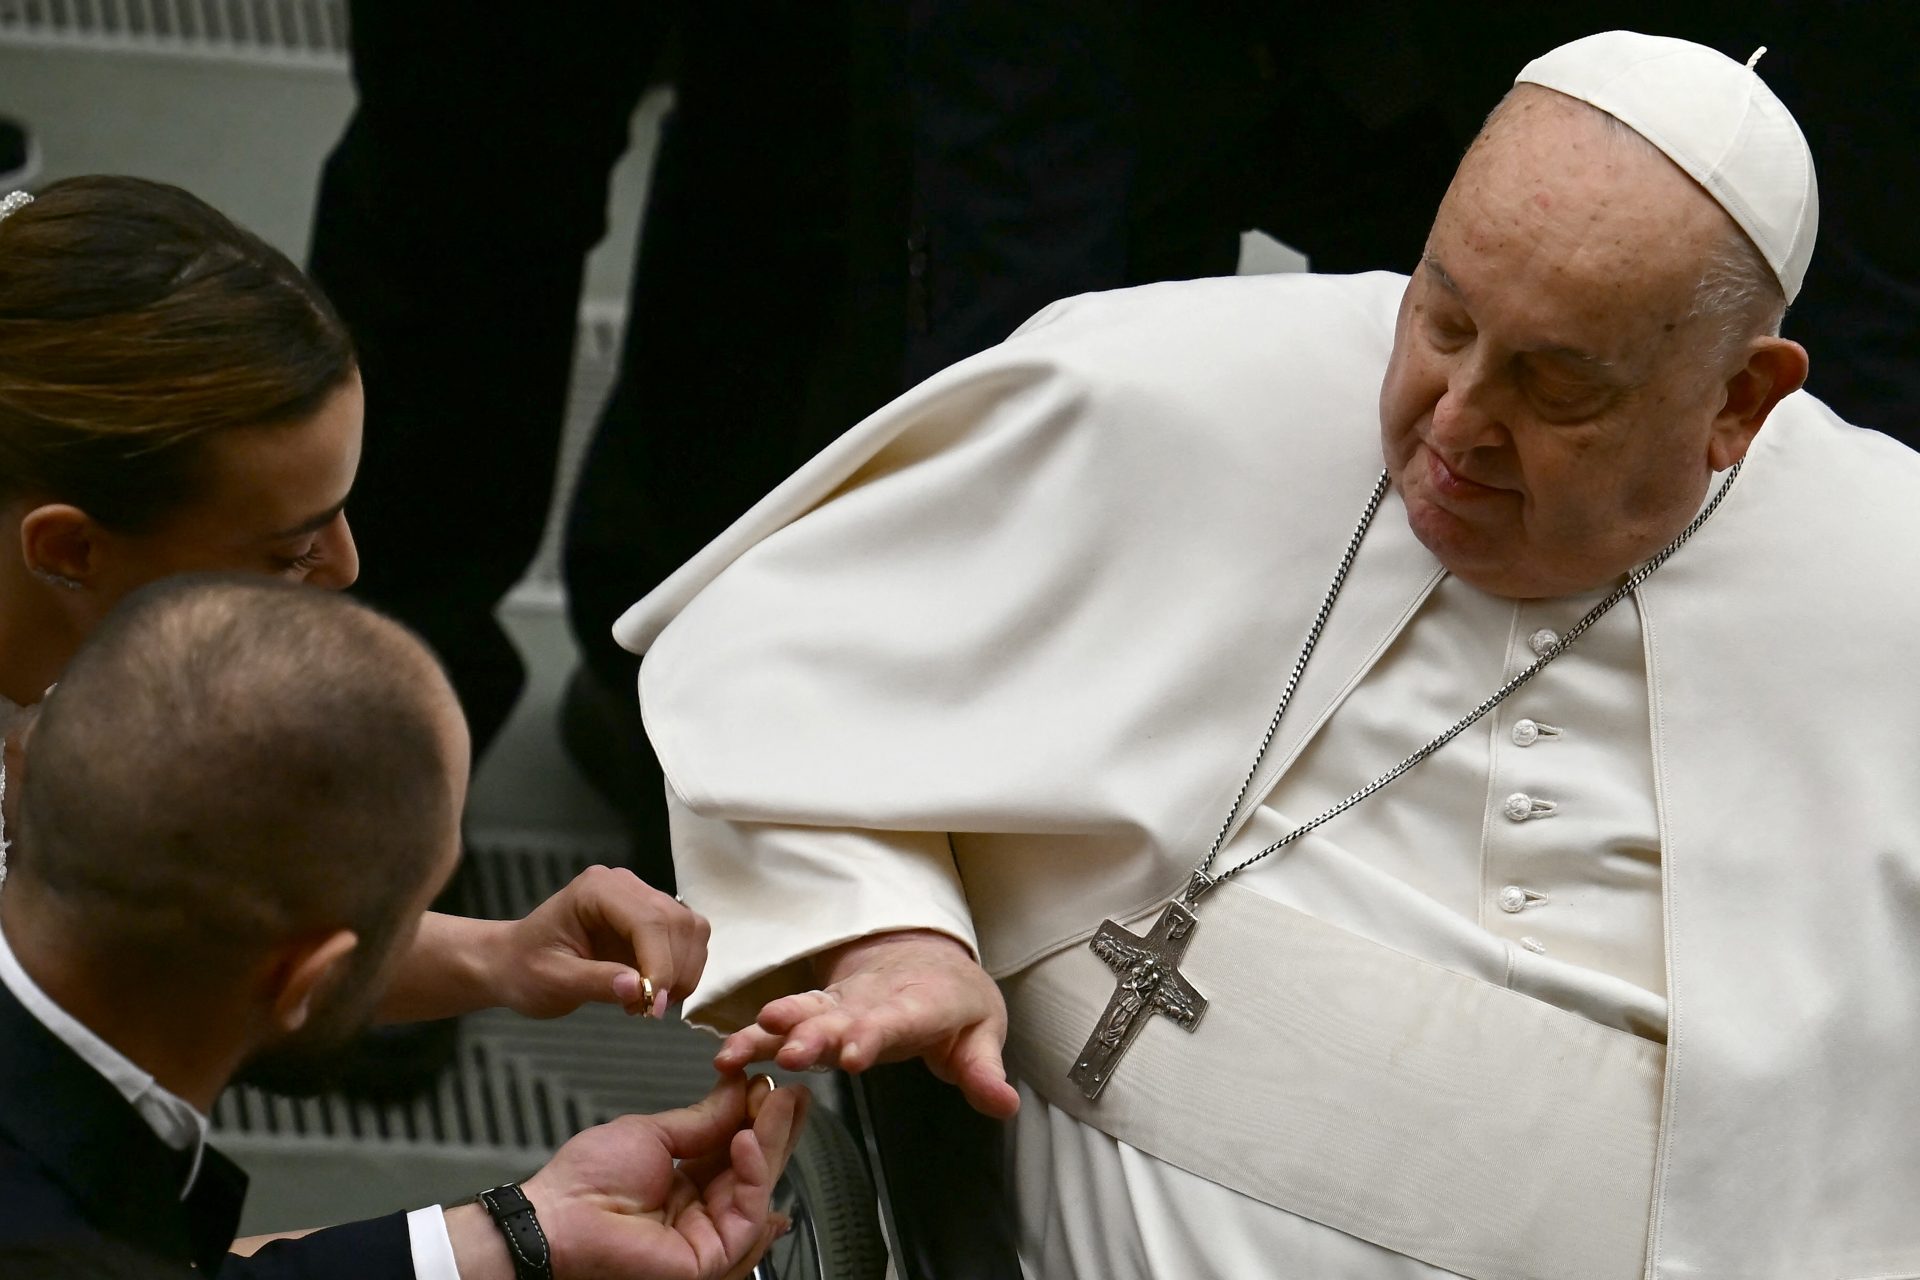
<point>1520,806</point>
<point>1513,899</point>
<point>1525,733</point>
<point>1541,641</point>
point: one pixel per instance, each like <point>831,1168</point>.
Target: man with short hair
<point>1559,921</point>
<point>243,795</point>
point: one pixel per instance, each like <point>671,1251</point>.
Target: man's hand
<point>683,1195</point>
<point>910,994</point>
<point>591,942</point>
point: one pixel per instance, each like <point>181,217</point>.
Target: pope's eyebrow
<point>1432,264</point>
<point>313,525</point>
<point>1587,361</point>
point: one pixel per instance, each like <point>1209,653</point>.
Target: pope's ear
<point>1775,368</point>
<point>301,973</point>
<point>60,540</point>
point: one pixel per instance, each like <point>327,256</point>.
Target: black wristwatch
<point>526,1242</point>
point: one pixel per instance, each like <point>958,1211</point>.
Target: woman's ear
<point>61,545</point>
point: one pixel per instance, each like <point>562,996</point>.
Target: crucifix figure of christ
<point>1150,983</point>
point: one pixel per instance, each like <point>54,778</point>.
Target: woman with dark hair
<point>175,395</point>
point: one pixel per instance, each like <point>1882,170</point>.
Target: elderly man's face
<point>1550,405</point>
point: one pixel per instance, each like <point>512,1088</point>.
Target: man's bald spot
<point>229,761</point>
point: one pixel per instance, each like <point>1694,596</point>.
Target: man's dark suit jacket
<point>77,1164</point>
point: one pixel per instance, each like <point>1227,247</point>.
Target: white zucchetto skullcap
<point>1715,119</point>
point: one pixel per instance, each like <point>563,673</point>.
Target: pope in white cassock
<point>1619,975</point>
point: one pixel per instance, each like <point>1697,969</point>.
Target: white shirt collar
<point>176,1121</point>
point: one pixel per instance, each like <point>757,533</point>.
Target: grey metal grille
<point>282,32</point>
<point>520,1084</point>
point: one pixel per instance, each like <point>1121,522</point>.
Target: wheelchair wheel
<point>829,1195</point>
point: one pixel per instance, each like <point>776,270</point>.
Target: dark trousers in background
<point>453,224</point>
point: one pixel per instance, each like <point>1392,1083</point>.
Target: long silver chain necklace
<point>1149,977</point>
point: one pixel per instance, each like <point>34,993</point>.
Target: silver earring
<point>53,579</point>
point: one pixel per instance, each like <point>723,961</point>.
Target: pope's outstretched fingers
<point>784,1014</point>
<point>744,1048</point>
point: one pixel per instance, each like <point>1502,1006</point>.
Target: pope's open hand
<point>682,1195</point>
<point>593,941</point>
<point>893,996</point>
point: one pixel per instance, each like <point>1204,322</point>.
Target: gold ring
<point>646,994</point>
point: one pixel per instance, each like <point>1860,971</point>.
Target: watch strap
<point>513,1213</point>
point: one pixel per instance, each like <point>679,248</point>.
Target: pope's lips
<point>1454,485</point>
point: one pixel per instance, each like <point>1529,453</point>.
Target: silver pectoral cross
<point>1150,983</point>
